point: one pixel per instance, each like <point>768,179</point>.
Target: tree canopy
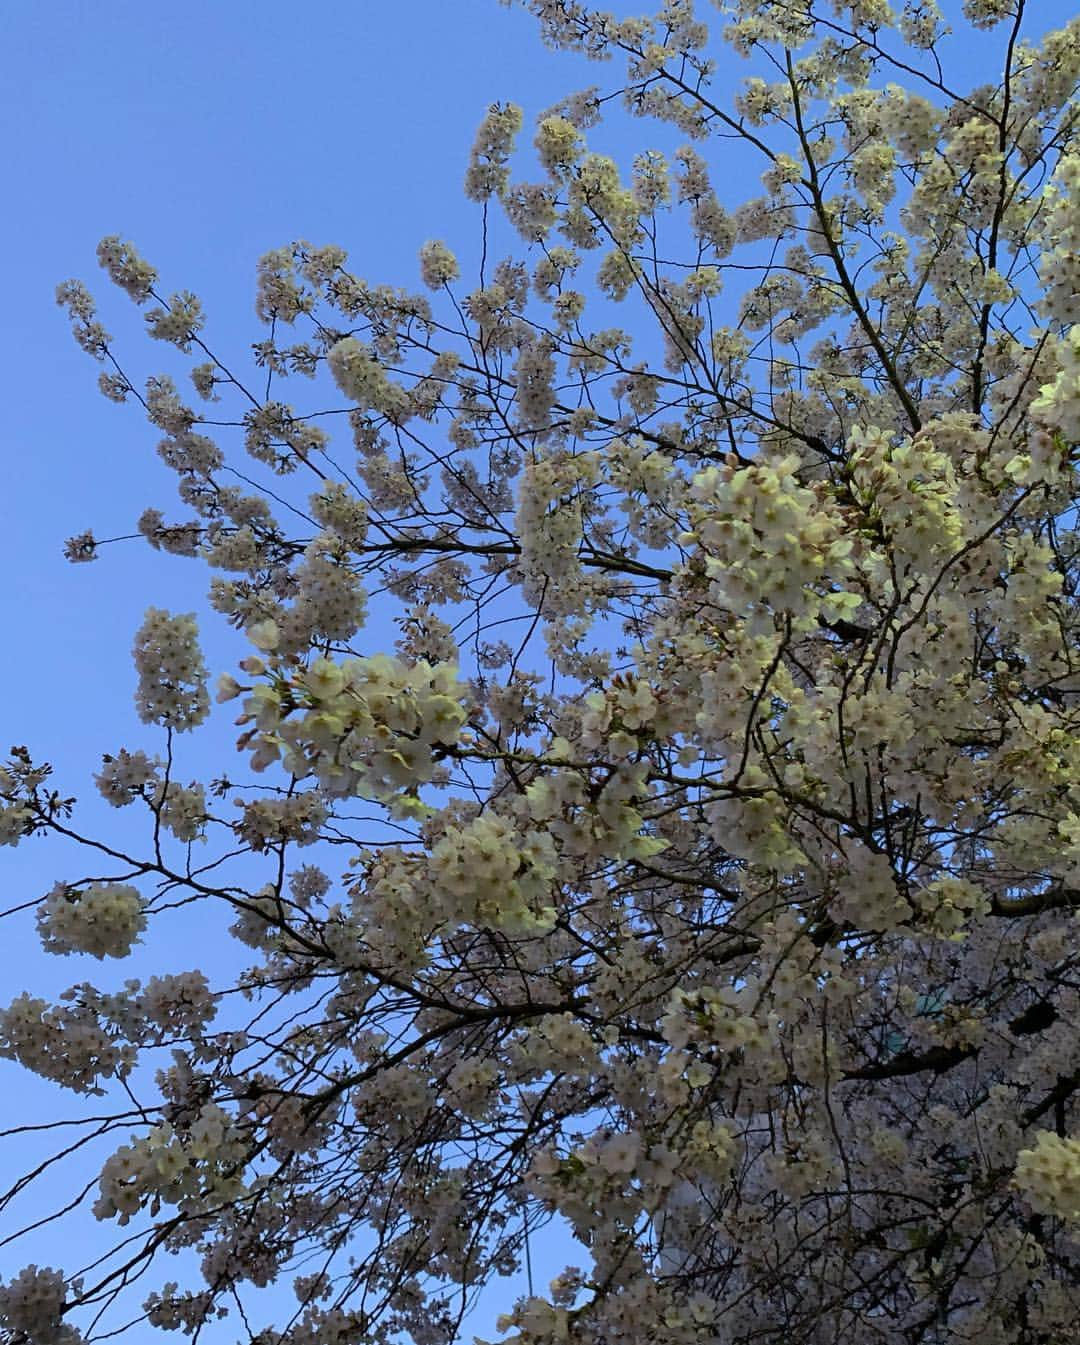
<point>698,870</point>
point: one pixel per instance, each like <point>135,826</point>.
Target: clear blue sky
<point>207,133</point>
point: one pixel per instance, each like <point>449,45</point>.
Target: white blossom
<point>104,919</point>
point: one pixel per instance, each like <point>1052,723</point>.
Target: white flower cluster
<point>949,905</point>
<point>172,675</point>
<point>597,192</point>
<point>488,172</point>
<point>68,1045</point>
<point>16,820</point>
<point>755,828</point>
<point>549,524</point>
<point>1058,403</point>
<point>530,208</point>
<point>191,455</point>
<point>987,13</point>
<point>260,919</point>
<point>92,337</point>
<point>1049,1175</point>
<point>812,1166</point>
<point>81,548</point>
<point>427,636</point>
<point>533,377</point>
<point>273,822</point>
<point>537,1320</point>
<point>761,102</point>
<point>123,776</point>
<point>126,268</point>
<point>235,549</point>
<point>618,1154</point>
<point>308,884</point>
<point>275,435</point>
<point>1059,263</point>
<point>171,1310</point>
<point>279,296</point>
<point>182,809</point>
<point>556,1044</point>
<point>470,1083</point>
<point>712,224</point>
<point>204,379</point>
<point>330,603</point>
<point>879,715</point>
<point>104,919</point>
<point>178,321</point>
<point>911,490</point>
<point>393,910</point>
<point>438,265</point>
<point>114,386</point>
<point>32,1308</point>
<point>558,801</point>
<point>487,873</point>
<point>367,726</point>
<point>711,1016</point>
<point>342,512</point>
<point>559,144</point>
<point>652,492</point>
<point>194,1167</point>
<point>179,539</point>
<point>492,309</point>
<point>182,1002</point>
<point>767,539</point>
<point>866,894</point>
<point>362,378</point>
<point>164,407</point>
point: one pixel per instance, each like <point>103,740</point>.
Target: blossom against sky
<point>208,139</point>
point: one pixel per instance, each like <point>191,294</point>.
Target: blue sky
<point>207,133</point>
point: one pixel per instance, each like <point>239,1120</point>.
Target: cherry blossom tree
<point>715,893</point>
